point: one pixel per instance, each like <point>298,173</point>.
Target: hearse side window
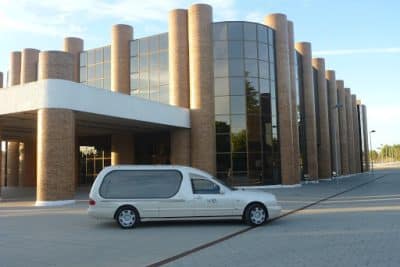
<point>141,184</point>
<point>202,186</point>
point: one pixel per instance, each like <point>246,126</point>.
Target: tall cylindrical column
<point>366,137</point>
<point>350,131</point>
<point>55,65</point>
<point>12,163</point>
<point>333,111</point>
<point>1,80</point>
<point>304,49</point>
<point>201,73</point>
<point>344,149</point>
<point>278,22</point>
<point>29,65</point>
<point>121,35</point>
<point>55,156</point>
<point>178,54</point>
<point>27,163</point>
<point>55,165</point>
<point>324,148</point>
<point>15,68</point>
<point>293,93</point>
<point>122,149</point>
<point>356,127</point>
<point>74,46</point>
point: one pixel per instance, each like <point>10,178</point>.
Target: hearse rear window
<point>141,184</point>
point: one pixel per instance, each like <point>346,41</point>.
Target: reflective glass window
<point>107,54</point>
<point>164,94</point>
<point>239,162</point>
<point>253,103</point>
<point>220,31</point>
<point>223,162</point>
<point>221,105</point>
<point>262,51</point>
<point>134,48</point>
<point>144,45</point>
<point>235,49</point>
<point>221,86</point>
<point>235,31</point>
<point>236,67</point>
<point>251,67</point>
<point>264,86</point>
<point>91,72</point>
<point>250,49</point>
<point>220,49</point>
<point>99,70</point>
<point>164,78</point>
<point>271,53</point>
<point>220,68</point>
<point>262,34</point>
<point>107,84</point>
<point>134,64</point>
<point>250,31</point>
<point>272,71</point>
<point>99,55</point>
<point>153,44</point>
<point>222,124</point>
<point>238,105</point>
<point>270,36</point>
<point>134,81</point>
<point>223,143</point>
<point>252,85</point>
<point>238,123</point>
<point>237,85</point>
<point>143,61</point>
<point>164,60</point>
<point>83,59</point>
<point>83,74</point>
<point>163,41</point>
<point>263,68</point>
<point>91,57</point>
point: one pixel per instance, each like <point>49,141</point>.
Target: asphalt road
<point>356,228</point>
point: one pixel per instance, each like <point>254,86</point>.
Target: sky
<point>359,39</point>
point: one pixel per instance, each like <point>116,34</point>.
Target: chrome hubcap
<point>257,215</point>
<point>127,218</point>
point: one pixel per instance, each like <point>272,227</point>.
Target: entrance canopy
<point>98,111</point>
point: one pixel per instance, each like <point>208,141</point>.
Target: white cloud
<point>60,17</point>
<point>357,51</point>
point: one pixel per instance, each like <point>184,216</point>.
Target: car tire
<point>127,217</point>
<point>255,214</point>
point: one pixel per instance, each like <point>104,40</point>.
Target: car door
<point>208,198</point>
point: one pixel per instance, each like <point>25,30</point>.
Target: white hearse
<point>131,194</point>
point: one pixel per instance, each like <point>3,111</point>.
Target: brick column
<point>278,22</point>
<point>293,88</point>
<point>344,149</point>
<point>55,137</point>
<point>324,149</point>
<point>366,136</point>
<point>27,163</point>
<point>15,68</point>
<point>333,110</point>
<point>121,35</point>
<point>304,49</point>
<point>74,46</point>
<point>122,149</point>
<point>29,65</point>
<point>178,48</point>
<point>1,80</point>
<point>12,163</point>
<point>201,73</point>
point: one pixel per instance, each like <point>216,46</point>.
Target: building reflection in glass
<point>245,104</point>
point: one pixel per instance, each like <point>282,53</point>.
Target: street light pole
<point>370,149</point>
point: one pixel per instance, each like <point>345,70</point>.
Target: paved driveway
<point>357,228</point>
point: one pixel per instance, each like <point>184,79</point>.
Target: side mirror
<point>222,191</point>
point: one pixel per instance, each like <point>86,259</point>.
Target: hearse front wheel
<point>255,214</point>
<point>127,217</point>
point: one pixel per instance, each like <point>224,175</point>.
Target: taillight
<point>92,202</point>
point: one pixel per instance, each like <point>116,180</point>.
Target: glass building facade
<point>149,68</point>
<point>246,116</point>
<point>95,67</point>
<point>301,114</point>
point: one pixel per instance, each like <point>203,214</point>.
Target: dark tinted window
<point>132,184</point>
<point>202,186</point>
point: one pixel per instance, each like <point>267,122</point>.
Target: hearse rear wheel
<point>127,217</point>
